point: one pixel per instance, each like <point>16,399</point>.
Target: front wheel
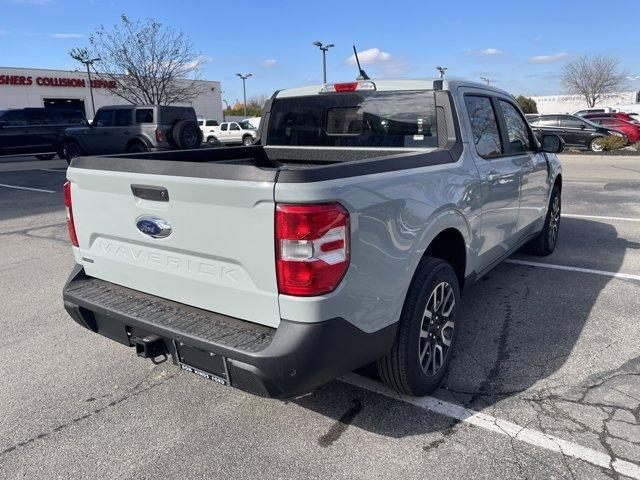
<point>47,156</point>
<point>71,150</point>
<point>426,334</point>
<point>246,141</point>
<point>545,243</point>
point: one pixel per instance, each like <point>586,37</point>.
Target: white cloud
<point>66,36</point>
<point>383,64</point>
<point>556,57</point>
<point>198,62</point>
<point>373,56</point>
<point>490,52</point>
<point>269,63</point>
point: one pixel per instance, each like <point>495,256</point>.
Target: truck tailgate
<point>219,255</point>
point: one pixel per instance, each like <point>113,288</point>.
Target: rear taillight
<point>159,135</point>
<point>67,203</point>
<point>312,248</point>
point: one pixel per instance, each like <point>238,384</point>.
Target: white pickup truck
<point>343,236</point>
<point>231,133</point>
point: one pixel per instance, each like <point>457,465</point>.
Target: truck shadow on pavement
<point>517,326</point>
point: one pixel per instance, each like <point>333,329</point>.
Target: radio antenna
<point>363,75</point>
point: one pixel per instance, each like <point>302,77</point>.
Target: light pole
<point>223,114</point>
<point>485,80</point>
<point>244,90</point>
<point>324,49</point>
<point>441,71</point>
<point>80,57</point>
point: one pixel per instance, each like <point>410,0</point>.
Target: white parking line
<point>503,427</point>
<point>27,188</point>
<point>628,276</point>
<point>64,170</point>
<point>598,217</point>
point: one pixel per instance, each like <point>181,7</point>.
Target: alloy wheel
<point>437,329</point>
<point>554,220</point>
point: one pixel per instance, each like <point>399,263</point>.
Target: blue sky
<point>520,46</point>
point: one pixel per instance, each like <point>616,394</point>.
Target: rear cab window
<point>402,119</point>
<point>517,130</point>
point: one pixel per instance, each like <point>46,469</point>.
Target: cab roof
<point>395,85</point>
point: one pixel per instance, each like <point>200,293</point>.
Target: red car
<point>631,130</point>
<point>620,115</point>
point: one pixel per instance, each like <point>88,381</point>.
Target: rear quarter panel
<point>394,216</point>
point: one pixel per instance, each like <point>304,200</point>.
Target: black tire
<point>71,150</point>
<point>403,368</point>
<point>213,141</point>
<point>594,145</point>
<point>187,134</point>
<point>48,156</point>
<point>247,140</point>
<point>545,243</point>
<point>137,147</point>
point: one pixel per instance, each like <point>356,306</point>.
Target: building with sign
<point>32,87</point>
<point>571,103</point>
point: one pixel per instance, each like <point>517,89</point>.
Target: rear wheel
<point>545,243</point>
<point>212,141</point>
<point>595,145</point>
<point>48,156</point>
<point>137,147</point>
<point>247,140</point>
<point>426,336</point>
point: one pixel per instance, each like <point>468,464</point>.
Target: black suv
<point>36,131</point>
<point>576,131</point>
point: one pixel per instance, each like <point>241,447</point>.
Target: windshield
<point>246,126</point>
<point>2,112</point>
<point>372,119</point>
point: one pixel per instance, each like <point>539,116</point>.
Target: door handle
<point>493,175</point>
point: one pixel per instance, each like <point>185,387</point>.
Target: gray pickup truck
<point>343,237</point>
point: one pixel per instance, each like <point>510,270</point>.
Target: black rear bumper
<point>293,359</point>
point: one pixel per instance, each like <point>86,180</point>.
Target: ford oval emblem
<point>154,227</point>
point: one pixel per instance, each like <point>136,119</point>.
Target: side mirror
<point>583,126</point>
<point>552,144</point>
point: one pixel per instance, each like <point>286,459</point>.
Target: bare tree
<point>593,77</point>
<point>150,63</point>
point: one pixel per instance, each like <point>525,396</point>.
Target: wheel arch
<point>140,140</point>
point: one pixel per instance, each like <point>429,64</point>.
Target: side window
<point>144,115</point>
<point>548,122</point>
<point>224,127</point>
<point>517,130</point>
<point>15,118</point>
<point>483,125</point>
<point>234,126</point>
<point>212,123</point>
<point>38,117</point>
<point>122,118</point>
<point>571,122</point>
<point>103,118</point>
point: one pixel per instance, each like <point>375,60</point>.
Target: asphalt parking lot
<point>545,382</point>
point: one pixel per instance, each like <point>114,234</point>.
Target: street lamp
<point>82,58</point>
<point>441,71</point>
<point>244,90</point>
<point>485,80</point>
<point>324,49</point>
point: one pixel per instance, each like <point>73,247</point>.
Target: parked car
<point>36,131</point>
<point>254,121</point>
<point>629,117</point>
<point>229,133</point>
<point>586,111</point>
<point>207,127</point>
<point>134,129</point>
<point>630,129</point>
<point>577,132</point>
<point>344,236</point>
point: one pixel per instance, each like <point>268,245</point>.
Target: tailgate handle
<point>150,192</point>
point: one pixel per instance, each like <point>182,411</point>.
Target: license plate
<point>202,373</point>
<point>205,364</point>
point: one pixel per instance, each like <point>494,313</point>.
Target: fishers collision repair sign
<point>26,81</point>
